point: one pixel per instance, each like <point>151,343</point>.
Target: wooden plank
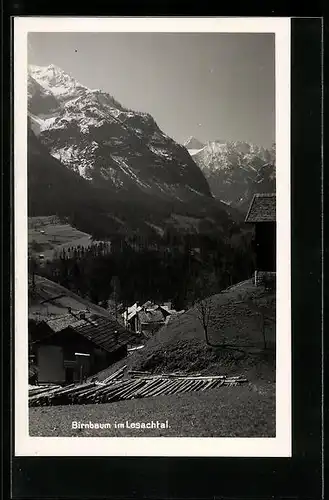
<point>132,393</point>
<point>162,389</point>
<point>187,386</point>
<point>106,392</point>
<point>178,387</point>
<point>198,385</point>
<point>150,390</point>
<point>148,385</point>
<point>115,375</point>
<point>116,394</point>
<point>207,384</point>
<point>39,389</point>
<point>175,384</point>
<point>189,377</point>
<point>138,372</point>
<point>172,384</point>
<point>157,387</point>
<point>132,389</point>
<point>46,394</point>
<point>112,388</point>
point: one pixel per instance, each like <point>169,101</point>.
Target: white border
<point>280,446</point>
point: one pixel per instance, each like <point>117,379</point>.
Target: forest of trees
<point>167,271</point>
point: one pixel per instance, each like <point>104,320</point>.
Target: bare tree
<point>205,310</point>
<point>199,292</point>
<point>206,307</point>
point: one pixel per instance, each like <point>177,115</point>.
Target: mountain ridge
<point>94,135</point>
<point>55,189</point>
<point>236,170</point>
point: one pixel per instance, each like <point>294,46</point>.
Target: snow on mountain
<point>40,99</point>
<point>193,144</point>
<point>193,152</point>
<point>94,135</point>
<point>56,81</point>
<point>237,170</point>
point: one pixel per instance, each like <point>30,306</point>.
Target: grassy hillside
<point>181,346</point>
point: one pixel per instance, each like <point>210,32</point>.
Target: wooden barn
<point>262,214</point>
<point>75,346</point>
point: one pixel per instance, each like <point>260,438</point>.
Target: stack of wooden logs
<point>138,385</point>
<point>39,389</point>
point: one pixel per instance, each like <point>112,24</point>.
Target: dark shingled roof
<point>53,309</point>
<point>262,208</point>
<point>104,332</point>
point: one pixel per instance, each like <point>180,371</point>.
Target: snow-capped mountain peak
<point>235,170</point>
<point>95,136</point>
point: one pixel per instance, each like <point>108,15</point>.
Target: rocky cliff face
<point>108,145</point>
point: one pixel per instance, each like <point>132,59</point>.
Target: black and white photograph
<point>152,236</point>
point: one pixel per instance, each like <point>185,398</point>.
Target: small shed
<point>262,214</point>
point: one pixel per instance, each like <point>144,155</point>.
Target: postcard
<point>152,237</point>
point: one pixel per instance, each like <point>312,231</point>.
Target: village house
<point>70,338</point>
<point>75,346</point>
<point>146,319</point>
<point>262,214</point>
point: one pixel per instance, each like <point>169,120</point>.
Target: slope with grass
<point>180,345</point>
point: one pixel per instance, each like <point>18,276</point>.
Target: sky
<point>213,86</point>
